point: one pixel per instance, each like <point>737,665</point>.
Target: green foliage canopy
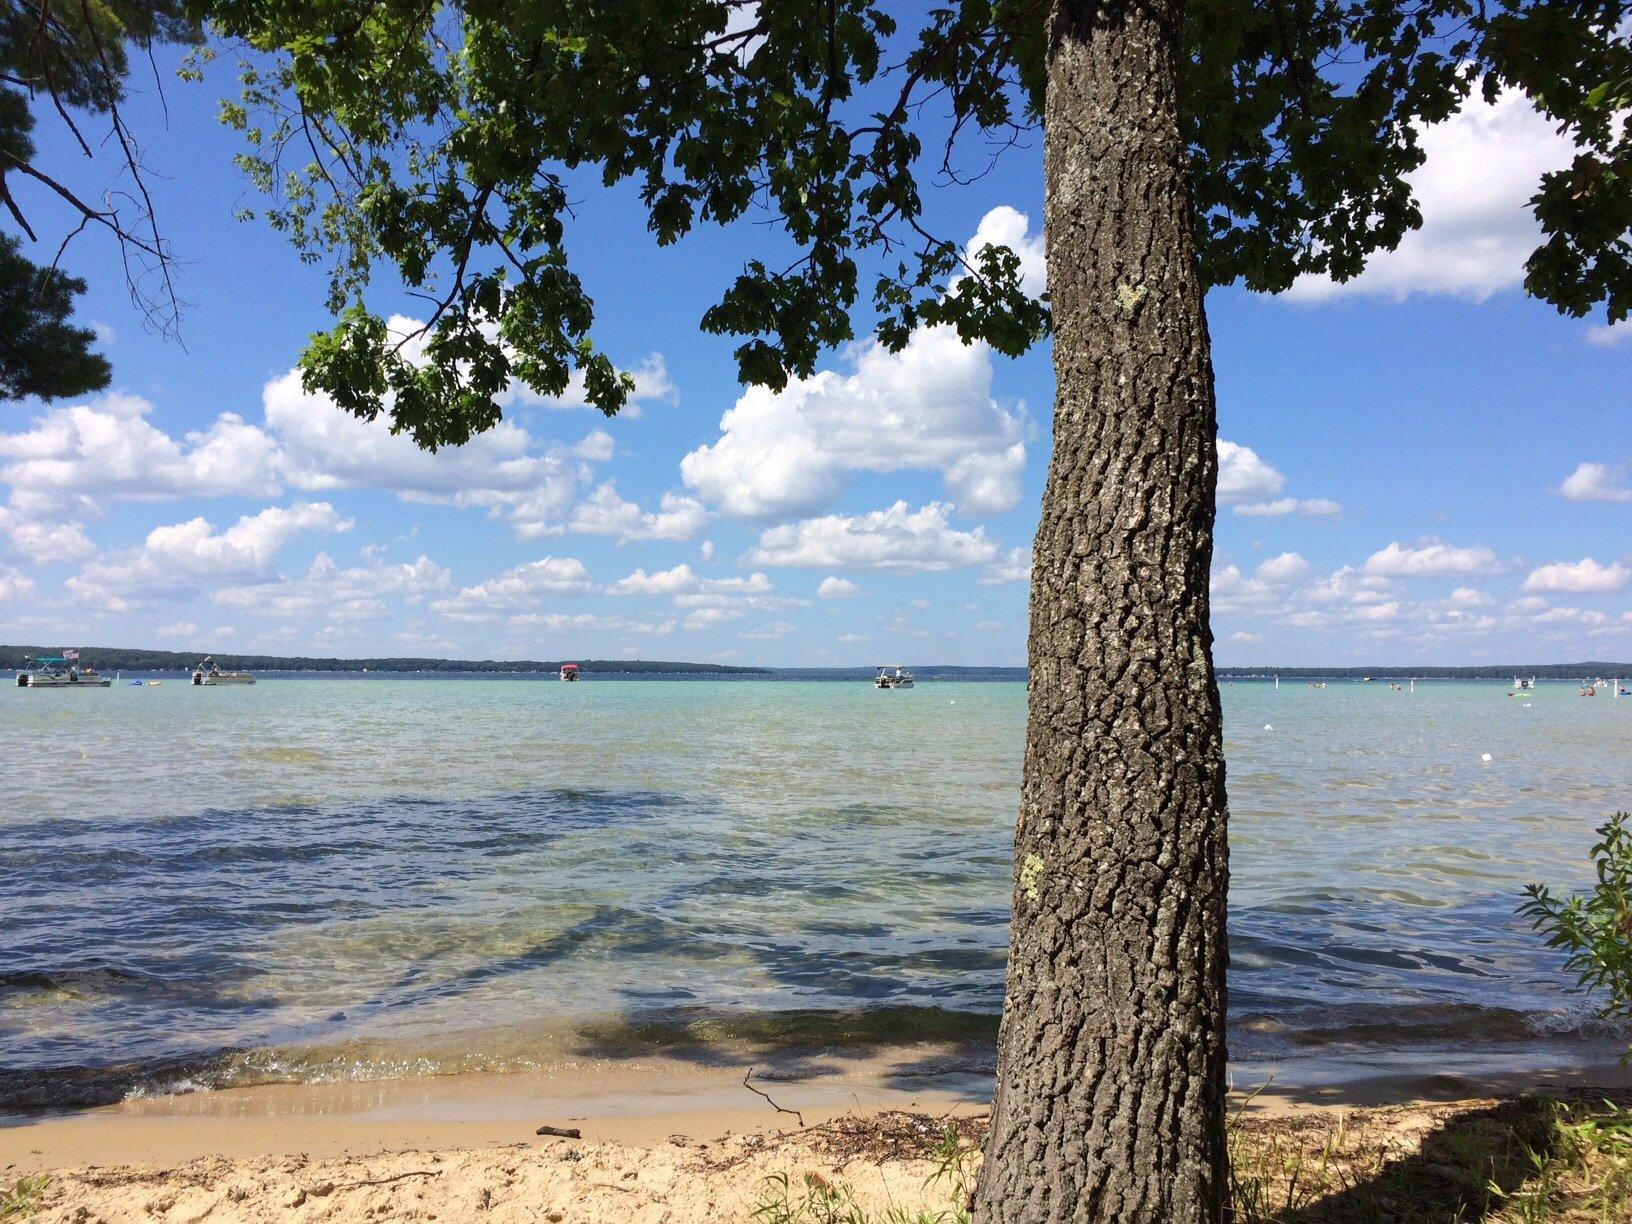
<point>41,352</point>
<point>439,140</point>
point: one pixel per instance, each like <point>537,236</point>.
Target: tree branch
<point>745,1078</point>
<point>105,217</point>
<point>134,164</point>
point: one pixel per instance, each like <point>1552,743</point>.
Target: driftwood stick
<point>747,1075</point>
<point>561,1132</point>
<point>384,1181</point>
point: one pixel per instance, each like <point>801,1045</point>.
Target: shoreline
<point>646,1099</point>
<point>637,1101</point>
<point>684,1132</point>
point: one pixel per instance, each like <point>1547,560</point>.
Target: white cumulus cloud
<point>72,459</point>
<point>1288,567</point>
<point>1596,482</point>
<point>328,591</point>
<point>1430,559</point>
<point>663,582</point>
<point>1314,507</point>
<point>837,588</point>
<point>686,588</point>
<point>652,383</point>
<point>1583,577</point>
<point>1483,165</point>
<point>595,447</point>
<point>1008,227</point>
<point>14,584</point>
<point>603,512</point>
<point>709,618</point>
<point>926,407</point>
<point>1249,484</point>
<point>894,539</point>
<point>504,470</point>
<point>683,580</point>
<point>1014,566</point>
<point>44,541</point>
<point>177,558</point>
<point>522,587</point>
<point>1243,476</point>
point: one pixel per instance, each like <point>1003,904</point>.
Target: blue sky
<point>1421,466</point>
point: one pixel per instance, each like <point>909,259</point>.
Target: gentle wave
<point>965,1042</point>
<point>779,1043</point>
<point>488,855</point>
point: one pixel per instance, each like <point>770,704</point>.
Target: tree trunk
<point>1110,1085</point>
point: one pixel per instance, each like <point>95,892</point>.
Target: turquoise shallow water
<point>315,860</point>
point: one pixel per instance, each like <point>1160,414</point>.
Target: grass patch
<point>816,1200</point>
<point>1525,1161</point>
<point>20,1199</point>
<point>1586,1172</point>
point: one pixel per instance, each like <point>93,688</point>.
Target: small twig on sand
<point>560,1132</point>
<point>385,1181</point>
<point>748,1075</point>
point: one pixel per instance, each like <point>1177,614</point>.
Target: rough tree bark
<point>1110,1088</point>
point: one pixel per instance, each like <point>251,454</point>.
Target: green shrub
<point>19,1199</point>
<point>1595,929</point>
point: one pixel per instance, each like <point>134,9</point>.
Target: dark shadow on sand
<point>1461,1173</point>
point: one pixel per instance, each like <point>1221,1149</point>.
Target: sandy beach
<point>1430,1160</point>
<point>880,1161</point>
<point>662,1139</point>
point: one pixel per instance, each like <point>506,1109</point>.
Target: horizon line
<point>1255,669</point>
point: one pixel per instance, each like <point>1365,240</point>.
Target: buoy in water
<point>1485,756</point>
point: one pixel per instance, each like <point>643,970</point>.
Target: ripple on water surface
<point>239,876</point>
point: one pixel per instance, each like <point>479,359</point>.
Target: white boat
<point>209,672</point>
<point>1522,684</point>
<point>60,671</point>
<point>887,679</point>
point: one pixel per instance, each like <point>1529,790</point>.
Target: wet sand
<point>673,1089</point>
<point>644,1098</point>
<point>631,1101</point>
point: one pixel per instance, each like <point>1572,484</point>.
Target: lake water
<point>283,870</point>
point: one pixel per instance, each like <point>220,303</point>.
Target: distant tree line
<point>112,658</point>
<point>1493,671</point>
